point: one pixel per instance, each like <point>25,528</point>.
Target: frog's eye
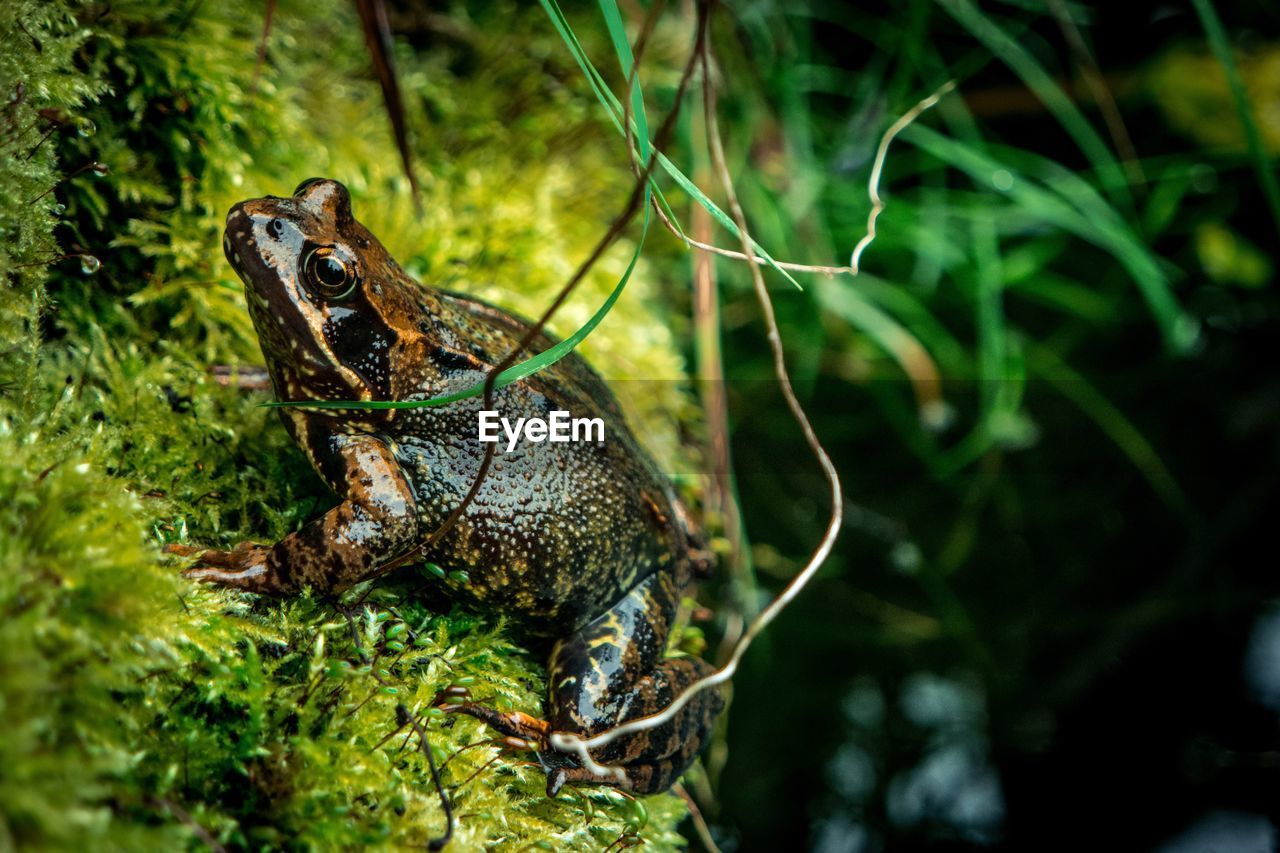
<point>329,274</point>
<point>308,182</point>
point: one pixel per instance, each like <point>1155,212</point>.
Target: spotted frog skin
<point>581,542</point>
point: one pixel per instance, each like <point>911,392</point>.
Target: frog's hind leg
<point>614,670</point>
<point>653,760</point>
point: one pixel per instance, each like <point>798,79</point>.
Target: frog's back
<point>572,371</point>
<point>559,531</point>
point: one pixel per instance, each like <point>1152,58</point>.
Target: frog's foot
<point>512,724</point>
<point>642,777</point>
<point>564,770</point>
<point>243,567</point>
<point>523,731</point>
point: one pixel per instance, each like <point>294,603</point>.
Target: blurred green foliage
<point>1049,397</point>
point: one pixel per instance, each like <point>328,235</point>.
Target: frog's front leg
<point>376,522</point>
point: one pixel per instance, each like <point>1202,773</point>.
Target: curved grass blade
<point>1039,81</point>
<point>1127,437</point>
<point>1068,206</point>
<point>1222,50</point>
<point>917,320</point>
<point>614,109</point>
<point>888,334</point>
<point>989,317</point>
<point>514,373</point>
<point>622,47</point>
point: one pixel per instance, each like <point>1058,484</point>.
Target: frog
<point>585,546</point>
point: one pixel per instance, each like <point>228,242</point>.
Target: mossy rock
<point>144,711</point>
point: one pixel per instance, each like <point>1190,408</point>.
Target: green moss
<point>33,76</point>
<point>76,581</point>
<point>144,711</point>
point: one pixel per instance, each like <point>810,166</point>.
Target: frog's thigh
<point>613,670</point>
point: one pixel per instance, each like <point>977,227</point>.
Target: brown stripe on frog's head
<point>322,291</point>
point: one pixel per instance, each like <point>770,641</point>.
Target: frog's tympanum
<point>584,543</point>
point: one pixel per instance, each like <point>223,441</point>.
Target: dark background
<point>1084,679</point>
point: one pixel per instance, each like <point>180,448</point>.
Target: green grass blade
<point>614,109</point>
<point>1031,72</point>
<point>612,106</point>
<point>1048,204</point>
<point>1222,50</point>
<point>1065,295</point>
<point>1127,437</point>
<point>918,320</point>
<point>515,373</point>
<point>888,334</point>
<point>626,61</point>
<point>988,310</point>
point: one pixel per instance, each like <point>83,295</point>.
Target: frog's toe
<point>248,578</point>
<point>641,778</point>
<point>512,724</point>
<point>244,567</point>
<point>563,771</point>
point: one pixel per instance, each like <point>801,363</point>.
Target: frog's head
<point>318,285</point>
